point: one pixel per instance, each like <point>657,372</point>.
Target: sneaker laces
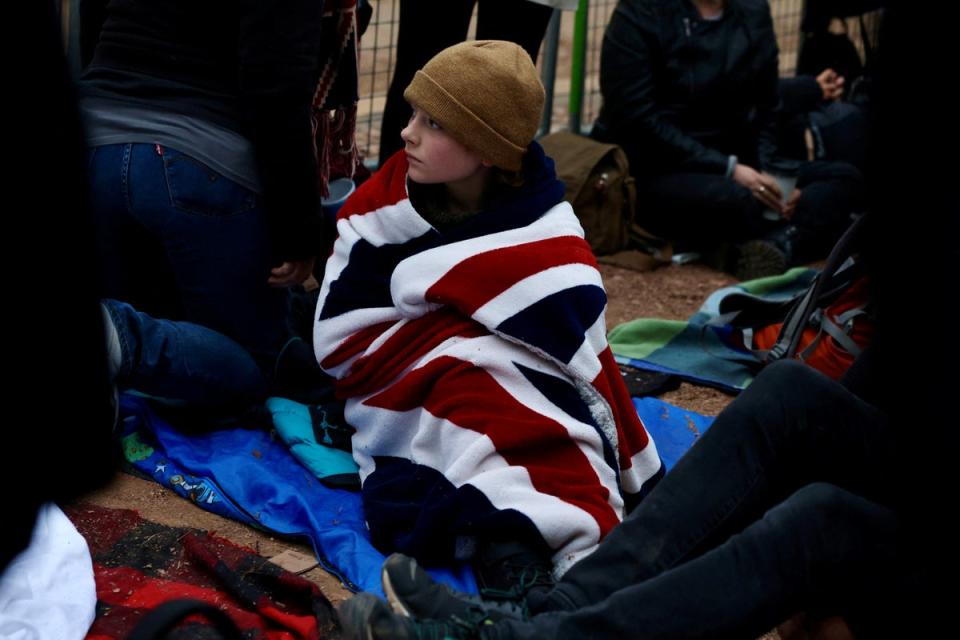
<point>453,627</point>
<point>515,597</point>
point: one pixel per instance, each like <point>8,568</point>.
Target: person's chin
<point>420,177</point>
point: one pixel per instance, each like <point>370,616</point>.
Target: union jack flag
<point>476,371</point>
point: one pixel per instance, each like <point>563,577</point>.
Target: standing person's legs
<point>517,21</point>
<point>791,427</point>
<point>822,548</point>
<point>132,263</point>
<point>426,28</point>
<point>216,242</point>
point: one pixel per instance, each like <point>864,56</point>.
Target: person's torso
<point>705,71</point>
<point>175,55</point>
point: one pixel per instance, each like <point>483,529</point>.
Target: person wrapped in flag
<point>462,315</point>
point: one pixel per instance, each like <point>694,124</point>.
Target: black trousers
<point>430,26</point>
<point>786,504</point>
<point>698,210</point>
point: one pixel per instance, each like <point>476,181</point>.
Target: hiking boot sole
<point>759,259</point>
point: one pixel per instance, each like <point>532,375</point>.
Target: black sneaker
<point>514,571</point>
<point>367,617</point>
<point>412,592</point>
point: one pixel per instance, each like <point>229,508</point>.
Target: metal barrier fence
<point>569,60</point>
<point>571,68</point>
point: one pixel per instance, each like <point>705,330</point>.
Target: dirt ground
<point>672,292</point>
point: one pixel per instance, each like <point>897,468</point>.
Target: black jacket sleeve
<point>279,44</point>
<point>767,97</point>
<point>628,83</point>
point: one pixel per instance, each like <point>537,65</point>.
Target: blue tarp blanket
<point>672,428</point>
<point>706,349</point>
<point>250,475</point>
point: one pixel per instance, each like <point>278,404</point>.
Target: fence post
<point>548,74</point>
<point>578,66</point>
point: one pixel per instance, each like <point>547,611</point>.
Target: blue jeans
<point>784,505</point>
<point>180,241</point>
<point>184,362</point>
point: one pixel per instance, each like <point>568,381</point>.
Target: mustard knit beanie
<point>486,94</point>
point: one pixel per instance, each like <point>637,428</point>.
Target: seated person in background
<point>690,93</point>
<point>462,315</point>
<point>816,124</point>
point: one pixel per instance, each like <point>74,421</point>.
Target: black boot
<point>775,252</point>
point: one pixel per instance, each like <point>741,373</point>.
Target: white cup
<point>340,189</point>
<point>787,185</point>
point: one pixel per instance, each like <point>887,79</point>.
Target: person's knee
<point>841,528</point>
<point>226,371</point>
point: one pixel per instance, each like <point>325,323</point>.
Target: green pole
<point>577,66</point>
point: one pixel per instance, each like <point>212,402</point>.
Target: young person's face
<point>434,157</point>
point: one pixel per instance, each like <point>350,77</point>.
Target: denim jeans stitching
<point>125,176</point>
<point>249,203</point>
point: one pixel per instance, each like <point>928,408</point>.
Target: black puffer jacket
<point>681,93</point>
<point>248,65</point>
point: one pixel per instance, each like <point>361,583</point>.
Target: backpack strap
<point>841,336</point>
<point>792,330</point>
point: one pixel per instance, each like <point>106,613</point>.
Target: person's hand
<point>291,273</point>
<point>791,206</point>
<point>763,186</point>
<point>831,84</point>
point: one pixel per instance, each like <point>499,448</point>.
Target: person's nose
<point>409,133</point>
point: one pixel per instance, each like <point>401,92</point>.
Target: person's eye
<point>433,124</point>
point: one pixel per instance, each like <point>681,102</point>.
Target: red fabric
<point>828,357</point>
<point>632,432</point>
<point>139,565</point>
<point>468,396</point>
<point>387,186</point>
<point>502,268</point>
<point>411,342</point>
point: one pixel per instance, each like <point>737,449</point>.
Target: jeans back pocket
<point>196,188</point>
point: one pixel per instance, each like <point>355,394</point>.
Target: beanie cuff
<point>462,124</point>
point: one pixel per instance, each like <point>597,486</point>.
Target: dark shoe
<point>367,617</point>
<point>759,259</point>
<point>412,592</point>
<point>514,571</point>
